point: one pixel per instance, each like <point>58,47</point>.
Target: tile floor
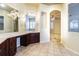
<point>53,48</point>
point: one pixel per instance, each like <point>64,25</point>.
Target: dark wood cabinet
<point>8,47</point>
<point>12,46</point>
<point>37,37</point>
<point>4,48</point>
<point>25,40</point>
<point>34,37</point>
<point>30,38</point>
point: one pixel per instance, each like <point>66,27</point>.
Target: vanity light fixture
<point>2,5</point>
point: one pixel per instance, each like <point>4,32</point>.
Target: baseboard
<point>44,41</point>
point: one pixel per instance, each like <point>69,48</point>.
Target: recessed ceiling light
<point>2,5</point>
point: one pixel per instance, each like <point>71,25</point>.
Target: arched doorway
<point>55,25</point>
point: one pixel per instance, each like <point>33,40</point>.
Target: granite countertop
<point>5,36</point>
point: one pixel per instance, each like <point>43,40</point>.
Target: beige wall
<point>8,25</point>
<point>44,24</point>
<point>69,39</point>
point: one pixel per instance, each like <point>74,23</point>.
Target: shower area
<point>55,25</point>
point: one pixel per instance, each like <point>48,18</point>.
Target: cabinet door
<point>32,38</point>
<point>7,47</point>
<point>4,48</point>
<point>28,39</point>
<point>12,44</point>
<point>35,37</point>
<point>24,40</point>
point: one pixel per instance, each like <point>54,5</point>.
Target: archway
<point>55,25</point>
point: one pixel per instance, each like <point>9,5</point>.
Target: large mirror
<point>8,19</point>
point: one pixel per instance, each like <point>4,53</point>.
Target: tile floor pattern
<point>53,48</point>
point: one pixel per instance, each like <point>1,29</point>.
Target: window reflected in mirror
<point>30,23</point>
<point>73,10</point>
<point>1,22</point>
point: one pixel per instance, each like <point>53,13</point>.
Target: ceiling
<point>8,8</point>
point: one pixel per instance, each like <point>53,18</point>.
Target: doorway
<point>55,25</point>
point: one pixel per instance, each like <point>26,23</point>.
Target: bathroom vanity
<point>8,41</point>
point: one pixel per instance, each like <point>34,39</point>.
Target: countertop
<point>5,36</point>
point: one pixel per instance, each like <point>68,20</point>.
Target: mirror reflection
<point>8,19</point>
